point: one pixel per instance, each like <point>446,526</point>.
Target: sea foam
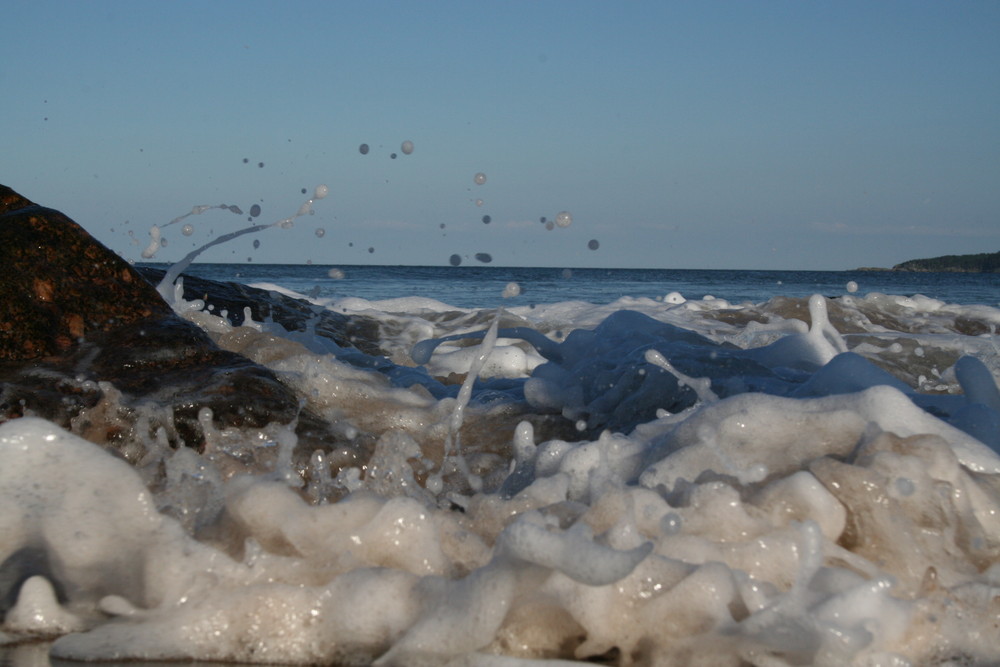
<point>664,482</point>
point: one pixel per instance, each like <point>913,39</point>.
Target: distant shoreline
<point>979,263</point>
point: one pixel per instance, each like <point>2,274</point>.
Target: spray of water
<point>165,288</point>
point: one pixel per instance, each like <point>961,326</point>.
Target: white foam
<point>806,510</point>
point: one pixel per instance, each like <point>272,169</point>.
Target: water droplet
<point>479,178</point>
<point>392,156</point>
<point>594,244</point>
<point>542,220</point>
<point>852,286</point>
<point>406,147</point>
<point>320,232</point>
<point>484,257</point>
<point>442,225</point>
<point>455,260</point>
<point>363,149</point>
<point>511,290</point>
<point>254,210</point>
<point>487,219</point>
<point>303,190</point>
<point>260,165</point>
<point>236,209</point>
<point>321,191</point>
<point>371,250</point>
<point>479,202</point>
<point>336,274</point>
<point>256,243</point>
<point>564,219</point>
<point>549,225</point>
<point>246,160</point>
<point>187,230</point>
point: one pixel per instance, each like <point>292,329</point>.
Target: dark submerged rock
<point>265,306</point>
<point>79,324</point>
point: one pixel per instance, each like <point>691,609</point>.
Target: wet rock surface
<point>266,306</point>
<point>86,341</point>
<point>60,285</point>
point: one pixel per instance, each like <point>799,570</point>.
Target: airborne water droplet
<point>594,244</point>
<point>363,149</point>
<point>487,219</point>
<point>320,232</point>
<point>255,210</point>
<point>511,290</point>
<point>256,243</point>
<point>406,147</point>
<point>187,230</point>
<point>455,260</point>
<point>479,178</point>
<point>484,257</point>
<point>564,219</point>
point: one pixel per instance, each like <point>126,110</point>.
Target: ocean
<point>600,286</point>
<point>543,467</point>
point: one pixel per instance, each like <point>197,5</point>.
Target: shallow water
<point>646,476</point>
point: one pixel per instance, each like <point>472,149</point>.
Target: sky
<point>735,135</point>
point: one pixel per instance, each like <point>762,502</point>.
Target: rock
<point>87,342</point>
<point>59,284</point>
<point>361,333</point>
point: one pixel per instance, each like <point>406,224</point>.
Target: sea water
<point>554,284</point>
<point>628,467</point>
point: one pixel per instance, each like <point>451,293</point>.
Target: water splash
<point>165,288</point>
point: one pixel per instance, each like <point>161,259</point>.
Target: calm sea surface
<point>483,286</point>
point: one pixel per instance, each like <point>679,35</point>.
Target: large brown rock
<point>87,342</point>
<point>59,284</point>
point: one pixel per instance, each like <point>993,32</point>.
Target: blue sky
<point>785,135</point>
